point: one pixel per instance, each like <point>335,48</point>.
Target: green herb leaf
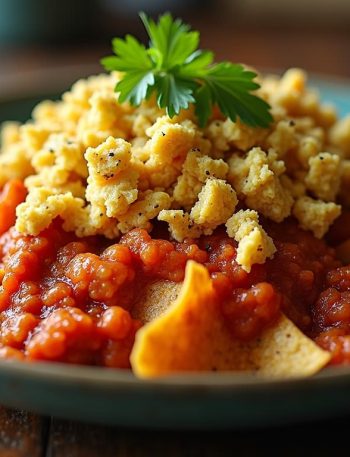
<point>134,87</point>
<point>230,86</point>
<point>181,74</point>
<point>197,64</point>
<point>130,56</point>
<point>171,38</point>
<point>174,93</point>
<point>204,104</point>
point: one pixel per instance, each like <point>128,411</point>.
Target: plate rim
<point>54,372</point>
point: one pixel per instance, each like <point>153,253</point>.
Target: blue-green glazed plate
<point>206,401</point>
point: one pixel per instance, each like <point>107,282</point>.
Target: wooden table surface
<point>26,435</point>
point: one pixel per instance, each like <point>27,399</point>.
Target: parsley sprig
<point>179,73</point>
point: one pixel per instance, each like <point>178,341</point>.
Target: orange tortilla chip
<point>192,336</point>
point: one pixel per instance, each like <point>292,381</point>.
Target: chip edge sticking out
<point>192,336</point>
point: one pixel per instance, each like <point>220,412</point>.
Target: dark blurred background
<point>45,45</point>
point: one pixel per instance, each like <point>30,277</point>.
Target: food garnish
<point>179,73</point>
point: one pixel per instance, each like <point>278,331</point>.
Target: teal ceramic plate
<point>218,401</point>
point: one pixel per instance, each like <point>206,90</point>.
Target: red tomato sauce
<point>11,195</point>
<point>71,300</point>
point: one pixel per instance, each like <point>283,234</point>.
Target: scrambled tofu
<point>106,118</point>
<point>226,135</point>
<point>105,167</point>
<point>339,136</point>
<point>254,245</point>
<point>323,177</point>
<point>283,138</point>
<point>41,208</point>
<point>59,165</point>
<point>112,182</point>
<point>216,203</point>
<point>196,169</point>
<point>14,163</point>
<point>147,208</point>
<point>166,150</point>
<point>181,225</point>
<point>315,215</point>
<point>256,178</point>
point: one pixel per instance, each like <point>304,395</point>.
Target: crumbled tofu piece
<point>339,135</point>
<point>109,159</point>
<point>291,93</point>
<point>323,178</point>
<point>282,138</point>
<point>255,181</point>
<point>216,203</point>
<point>309,146</point>
<point>59,165</point>
<point>180,224</point>
<point>295,187</point>
<point>144,117</point>
<point>105,118</point>
<point>226,135</point>
<point>57,180</point>
<point>140,213</point>
<point>140,125</point>
<point>290,89</point>
<point>170,141</point>
<point>41,208</point>
<point>166,149</point>
<point>62,152</point>
<point>49,114</point>
<point>88,221</point>
<point>254,245</point>
<point>112,181</point>
<point>34,137</point>
<point>77,101</point>
<point>14,163</point>
<point>196,169</point>
<point>9,134</point>
<point>45,159</point>
<point>327,115</point>
<point>315,215</point>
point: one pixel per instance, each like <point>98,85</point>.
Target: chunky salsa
<point>69,299</point>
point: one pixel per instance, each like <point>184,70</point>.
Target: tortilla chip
<point>155,299</point>
<point>192,336</point>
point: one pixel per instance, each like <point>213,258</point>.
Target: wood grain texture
<point>26,435</point>
<point>71,439</point>
<point>22,434</point>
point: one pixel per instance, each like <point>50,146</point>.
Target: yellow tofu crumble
<point>106,168</point>
<point>254,245</point>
